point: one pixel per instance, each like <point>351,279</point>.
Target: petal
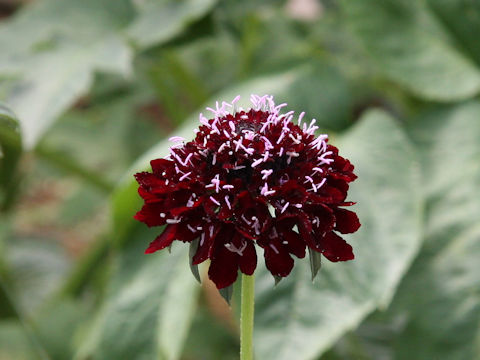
<point>248,261</point>
<point>161,165</point>
<point>205,245</point>
<point>163,240</point>
<point>346,221</point>
<point>150,214</point>
<point>185,233</point>
<point>295,244</point>
<point>277,259</point>
<point>223,269</point>
<point>334,248</point>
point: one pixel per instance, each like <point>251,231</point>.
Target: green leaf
<point>227,293</point>
<point>299,320</point>
<point>443,319</point>
<point>159,21</point>
<point>53,62</point>
<point>15,343</point>
<point>315,262</point>
<point>412,48</point>
<point>462,18</point>
<point>191,253</point>
<point>149,308</point>
<point>10,152</point>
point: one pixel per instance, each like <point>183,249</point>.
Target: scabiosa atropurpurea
<point>250,177</point>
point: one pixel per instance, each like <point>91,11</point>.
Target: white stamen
<point>257,162</point>
<point>176,139</point>
<point>285,207</point>
<point>183,177</point>
<point>228,202</point>
<point>265,156</point>
<point>245,219</point>
<point>300,117</point>
<point>266,173</point>
<point>236,250</point>
<point>214,201</point>
<point>274,249</point>
<point>173,221</point>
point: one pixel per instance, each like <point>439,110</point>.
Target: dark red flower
<point>250,177</point>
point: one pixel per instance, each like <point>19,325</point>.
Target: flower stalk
<point>247,316</point>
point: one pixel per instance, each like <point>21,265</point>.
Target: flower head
<point>250,177</point>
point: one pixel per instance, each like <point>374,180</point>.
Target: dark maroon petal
<point>223,269</point>
<point>205,244</point>
<point>150,214</point>
<point>334,248</point>
<point>147,180</point>
<point>248,261</point>
<point>161,165</point>
<point>163,240</point>
<point>277,259</point>
<point>305,229</point>
<point>346,221</point>
<point>295,245</point>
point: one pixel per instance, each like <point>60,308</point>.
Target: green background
<point>91,89</point>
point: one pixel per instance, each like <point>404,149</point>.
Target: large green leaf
<point>299,320</point>
<point>149,307</point>
<point>159,21</point>
<point>10,151</point>
<point>412,48</point>
<point>54,49</point>
<point>443,319</point>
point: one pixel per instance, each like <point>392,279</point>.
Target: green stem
<point>246,317</point>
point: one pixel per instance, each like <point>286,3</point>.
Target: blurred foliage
<point>91,89</point>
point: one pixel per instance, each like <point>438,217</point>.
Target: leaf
<point>462,19</point>
<point>55,65</point>
<point>315,262</point>
<point>149,308</point>
<point>10,152</point>
<point>300,320</point>
<point>227,293</point>
<point>15,343</point>
<point>191,253</point>
<point>51,63</point>
<point>159,21</point>
<point>413,49</point>
<point>443,318</point>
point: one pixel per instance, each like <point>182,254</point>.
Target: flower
<point>251,177</point>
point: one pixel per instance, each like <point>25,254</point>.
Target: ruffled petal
<point>277,259</point>
<point>205,244</point>
<point>346,221</point>
<point>164,240</point>
<point>223,269</point>
<point>334,248</point>
<point>248,260</point>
